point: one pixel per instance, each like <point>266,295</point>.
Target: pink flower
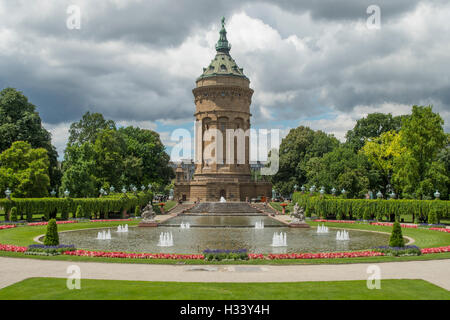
<point>7,226</point>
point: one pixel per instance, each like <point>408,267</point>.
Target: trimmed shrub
<point>51,236</point>
<point>366,215</point>
<point>396,239</point>
<point>137,211</point>
<point>433,217</point>
<point>13,214</point>
<point>79,212</point>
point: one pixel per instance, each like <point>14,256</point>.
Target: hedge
<point>326,207</point>
<point>50,206</point>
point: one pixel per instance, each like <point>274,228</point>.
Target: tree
<point>110,150</point>
<point>372,126</point>
<point>340,169</point>
<point>51,236</point>
<point>99,156</point>
<point>396,239</point>
<point>19,121</point>
<point>382,152</point>
<point>145,152</point>
<point>24,170</point>
<point>418,170</point>
<point>296,149</point>
<point>79,168</point>
<point>88,127</point>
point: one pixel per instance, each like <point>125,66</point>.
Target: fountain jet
<point>186,225</point>
<point>165,239</point>
<point>103,235</point>
<point>322,229</point>
<point>259,224</point>
<point>121,228</point>
<point>342,236</point>
<point>279,239</point>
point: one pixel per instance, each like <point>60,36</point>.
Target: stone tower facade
<point>222,144</point>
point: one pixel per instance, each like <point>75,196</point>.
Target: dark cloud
<point>126,61</point>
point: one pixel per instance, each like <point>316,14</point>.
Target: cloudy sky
<point>313,63</point>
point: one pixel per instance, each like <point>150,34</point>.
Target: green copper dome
<point>223,64</point>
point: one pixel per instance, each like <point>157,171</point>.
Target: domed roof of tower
<point>223,64</point>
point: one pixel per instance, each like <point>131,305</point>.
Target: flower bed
<point>390,224</point>
<point>7,226</point>
<point>44,223</point>
<point>436,250</point>
<point>440,229</point>
<point>219,255</point>
<point>125,255</point>
<point>399,251</point>
<point>335,221</point>
<point>110,220</point>
<point>11,248</point>
<point>325,255</point>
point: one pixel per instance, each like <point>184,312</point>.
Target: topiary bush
<point>13,214</point>
<point>79,212</point>
<point>137,211</point>
<point>51,236</point>
<point>396,239</point>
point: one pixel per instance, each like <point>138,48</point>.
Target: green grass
<point>24,235</point>
<point>54,288</point>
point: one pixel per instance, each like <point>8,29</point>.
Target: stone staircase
<point>181,208</point>
<point>224,208</point>
<point>266,209</point>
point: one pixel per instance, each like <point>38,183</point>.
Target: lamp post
<point>437,195</point>
<point>322,191</point>
<point>8,194</point>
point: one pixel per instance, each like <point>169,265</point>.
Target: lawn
<point>54,288</point>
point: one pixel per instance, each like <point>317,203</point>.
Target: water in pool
<point>233,233</point>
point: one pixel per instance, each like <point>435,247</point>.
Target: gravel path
<point>13,270</point>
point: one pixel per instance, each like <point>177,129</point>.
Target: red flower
<point>7,226</point>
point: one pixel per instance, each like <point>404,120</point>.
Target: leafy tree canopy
<point>24,170</point>
<point>19,121</point>
<point>372,126</point>
<point>296,149</point>
<point>88,127</point>
<point>108,156</point>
